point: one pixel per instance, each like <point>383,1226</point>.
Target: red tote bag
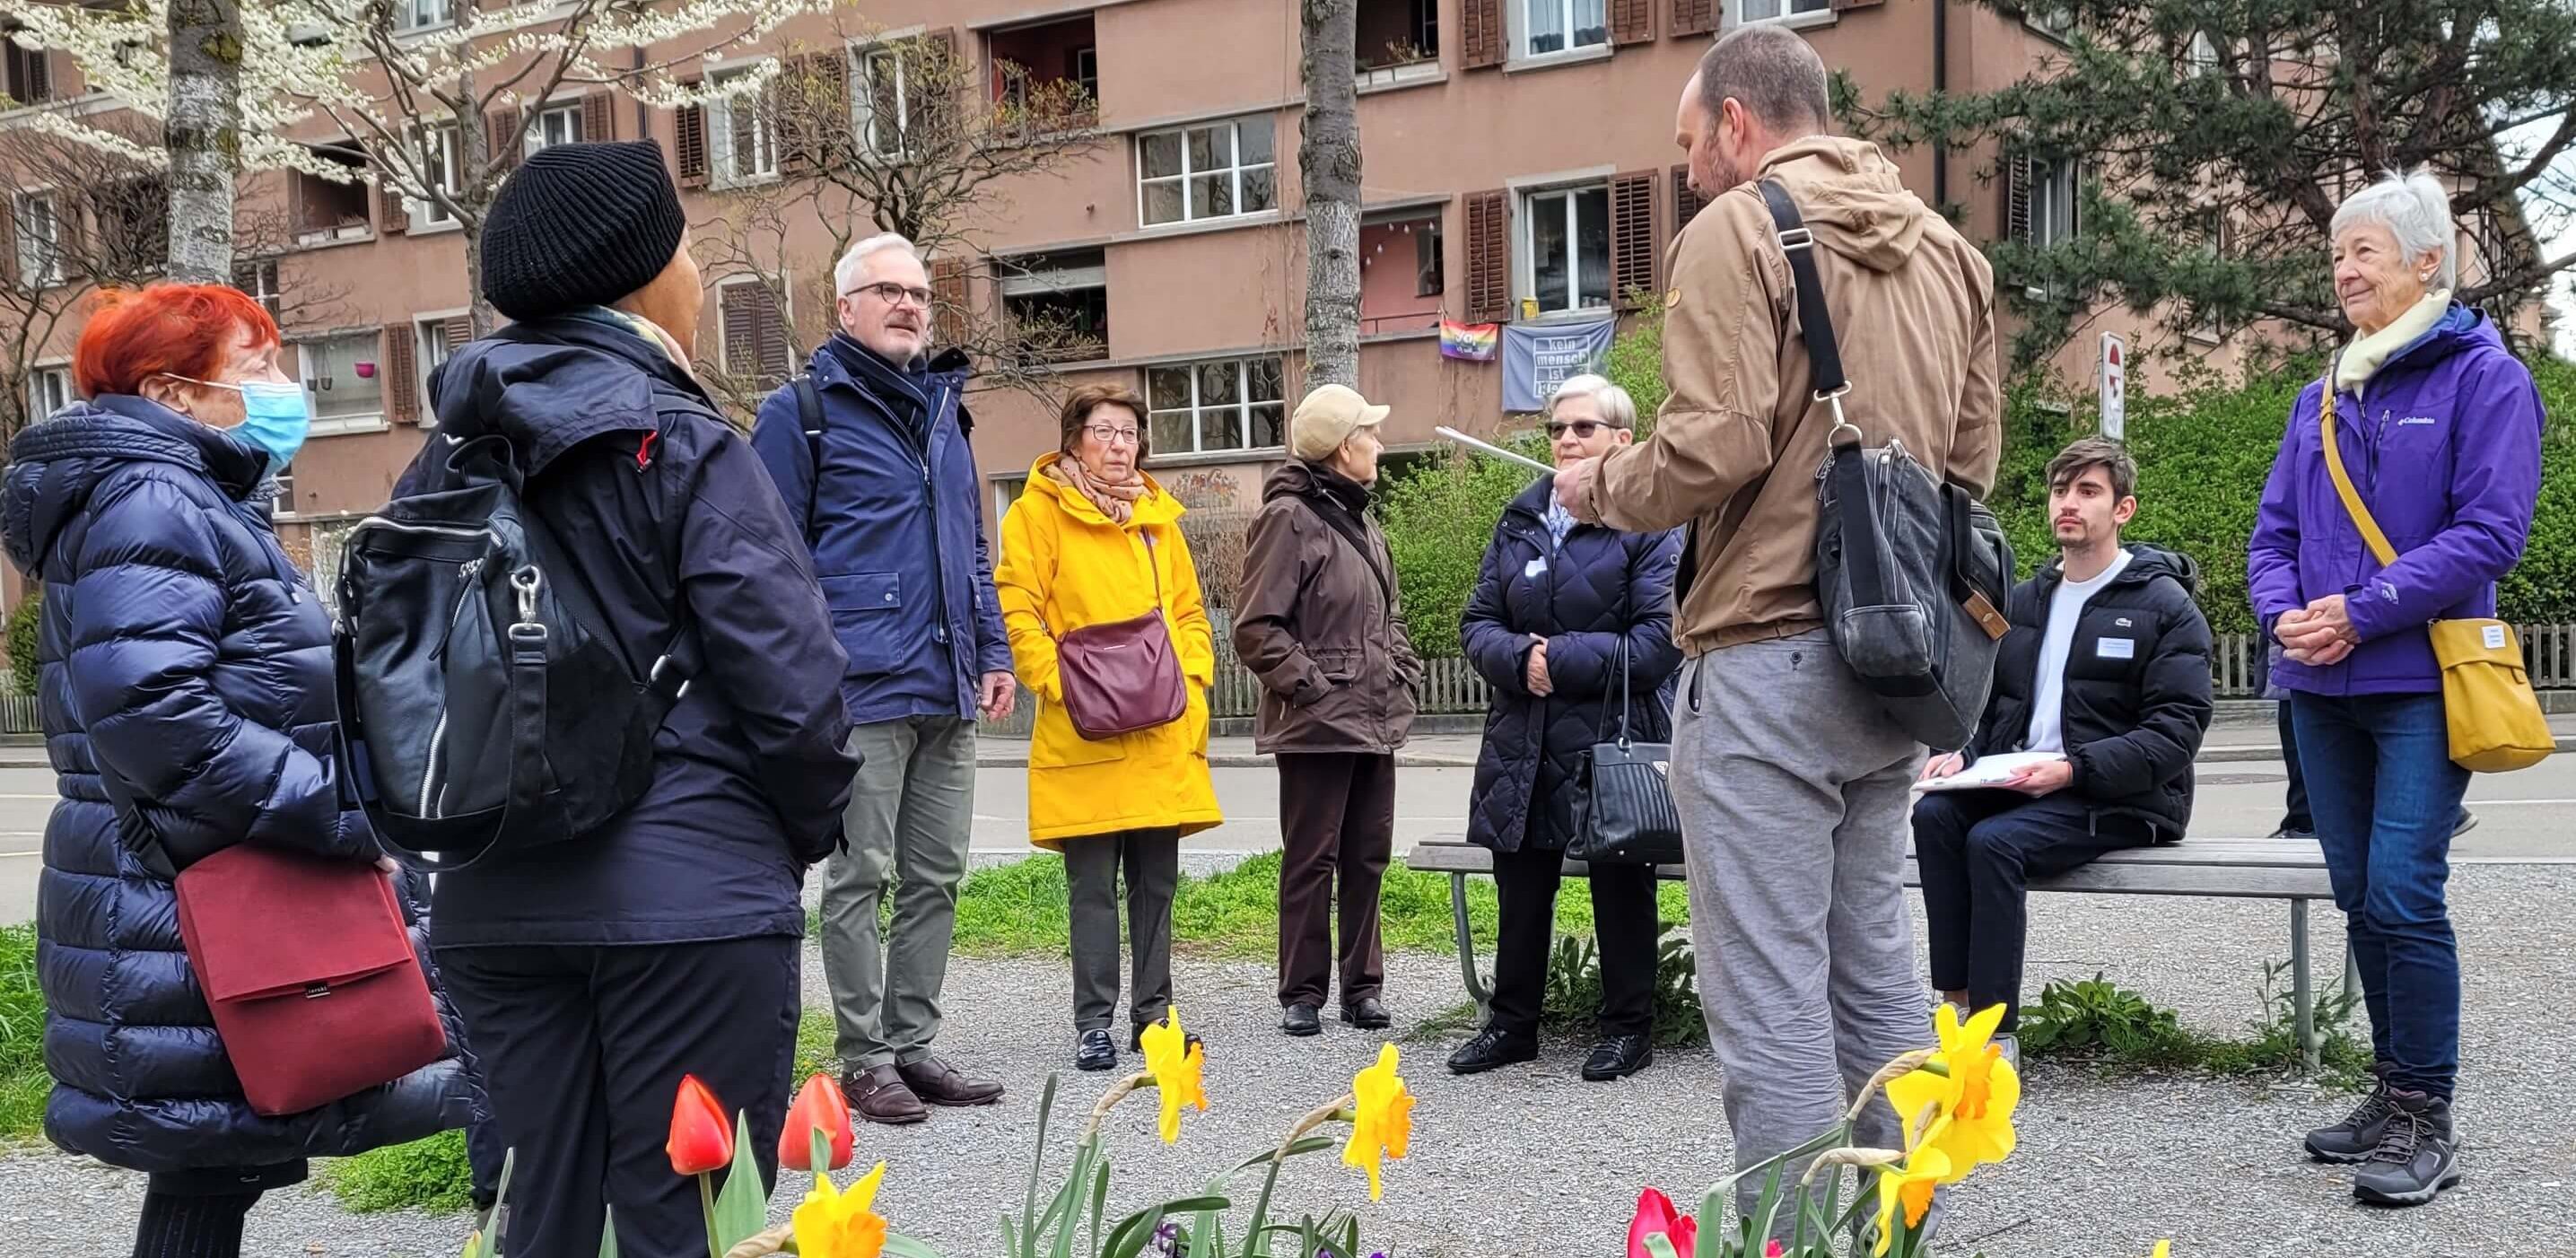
<point>310,974</point>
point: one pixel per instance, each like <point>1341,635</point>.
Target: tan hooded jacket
<point>1739,440</point>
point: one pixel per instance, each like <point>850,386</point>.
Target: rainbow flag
<point>1473,342</point>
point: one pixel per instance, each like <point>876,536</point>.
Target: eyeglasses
<point>1583,428</point>
<point>1109,436</point>
<point>895,294</point>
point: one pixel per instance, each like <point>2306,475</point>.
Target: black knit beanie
<point>580,225</point>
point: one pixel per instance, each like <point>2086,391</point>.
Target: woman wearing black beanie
<point>593,973</point>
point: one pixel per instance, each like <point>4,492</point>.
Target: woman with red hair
<point>185,675</point>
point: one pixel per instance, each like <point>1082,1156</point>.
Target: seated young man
<point>2106,667</point>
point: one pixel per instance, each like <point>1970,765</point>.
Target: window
<point>1058,304</point>
<point>746,137</point>
<point>25,73</point>
<point>327,210</point>
<point>1229,404</point>
<point>433,341</point>
<point>414,15</point>
<point>283,505</point>
<point>259,279</point>
<point>560,124</point>
<point>1197,173</point>
<point>2051,19</point>
<point>1083,67</point>
<point>438,161</point>
<point>882,116</point>
<point>49,389</point>
<point>1398,33</point>
<point>339,373</point>
<point>1051,67</point>
<point>2052,202</point>
<point>1743,11</point>
<point>1400,271</point>
<point>1549,27</point>
<point>133,228</point>
<point>39,243</point>
<point>1565,247</point>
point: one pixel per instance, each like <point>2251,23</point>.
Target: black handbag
<point>1624,813</point>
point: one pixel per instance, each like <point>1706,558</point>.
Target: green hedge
<point>22,639</point>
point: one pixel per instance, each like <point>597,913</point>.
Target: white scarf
<point>2361,360</point>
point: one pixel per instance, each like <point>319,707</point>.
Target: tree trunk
<point>1328,162</point>
<point>477,187</point>
<point>203,135</point>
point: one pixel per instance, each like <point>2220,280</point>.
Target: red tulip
<point>1657,1217</point>
<point>819,1107</point>
<point>701,1139</point>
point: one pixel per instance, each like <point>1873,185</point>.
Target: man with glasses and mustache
<point>870,451</point>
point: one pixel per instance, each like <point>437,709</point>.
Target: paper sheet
<point>1989,772</point>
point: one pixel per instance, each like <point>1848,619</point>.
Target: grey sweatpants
<point>1792,788</point>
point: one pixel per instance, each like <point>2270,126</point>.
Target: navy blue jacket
<point>184,669</point>
<point>896,528</point>
<point>626,458</point>
<point>1604,588</point>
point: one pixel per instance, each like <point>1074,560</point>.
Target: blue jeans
<point>2386,796</point>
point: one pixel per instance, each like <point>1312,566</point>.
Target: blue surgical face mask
<point>275,417</point>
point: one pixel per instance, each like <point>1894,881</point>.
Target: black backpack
<point>485,705</point>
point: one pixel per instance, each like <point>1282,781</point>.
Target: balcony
<point>1046,77</point>
<point>1402,272</point>
<point>325,212</point>
<point>1399,43</point>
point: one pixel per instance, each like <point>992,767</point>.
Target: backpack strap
<point>809,416</point>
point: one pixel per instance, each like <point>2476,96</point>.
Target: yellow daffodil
<point>1911,1187</point>
<point>1967,1112</point>
<point>834,1223</point>
<point>1178,1067</point>
<point>1382,1122</point>
<point>2164,1249</point>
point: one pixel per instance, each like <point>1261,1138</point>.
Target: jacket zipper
<point>465,573</point>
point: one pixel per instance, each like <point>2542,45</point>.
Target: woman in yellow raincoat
<point>1093,541</point>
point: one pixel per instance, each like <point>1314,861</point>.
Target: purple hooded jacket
<point>2444,446</point>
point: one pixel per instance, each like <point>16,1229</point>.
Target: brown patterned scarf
<point>1114,499</point>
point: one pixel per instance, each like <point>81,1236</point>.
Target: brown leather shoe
<point>879,1095</point>
<point>939,1083</point>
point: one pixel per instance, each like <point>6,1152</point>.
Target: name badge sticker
<point>2116,648</point>
<point>1530,571</point>
<point>2495,637</point>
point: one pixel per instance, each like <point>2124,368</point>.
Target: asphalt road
<point>2522,816</point>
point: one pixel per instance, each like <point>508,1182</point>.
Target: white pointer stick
<point>1494,450</point>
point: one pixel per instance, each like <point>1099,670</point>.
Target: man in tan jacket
<point>1791,781</point>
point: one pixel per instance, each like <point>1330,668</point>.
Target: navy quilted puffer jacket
<point>1602,589</point>
<point>185,678</point>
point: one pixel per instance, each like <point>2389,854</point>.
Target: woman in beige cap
<point>1319,622</point>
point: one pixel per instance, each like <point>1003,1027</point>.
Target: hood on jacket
<point>2146,563</point>
<point>1298,478</point>
<point>1158,506</point>
<point>1852,198</point>
<point>2460,328</point>
<point>56,464</point>
<point>550,385</point>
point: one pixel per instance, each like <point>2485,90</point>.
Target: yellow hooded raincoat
<point>1065,565</point>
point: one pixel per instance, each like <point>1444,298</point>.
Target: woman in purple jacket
<point>2439,428</point>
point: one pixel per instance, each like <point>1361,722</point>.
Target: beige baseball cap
<point>1327,418</point>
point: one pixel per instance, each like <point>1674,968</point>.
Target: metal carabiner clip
<point>527,581</point>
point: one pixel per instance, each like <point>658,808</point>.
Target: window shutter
<point>1632,237</point>
<point>938,107</point>
<point>2016,209</point>
<point>40,76</point>
<point>1686,203</point>
<point>1694,17</point>
<point>392,218</point>
<point>1633,21</point>
<point>8,239</point>
<point>777,354</point>
<point>400,379</point>
<point>1487,45</point>
<point>1489,256</point>
<point>71,236</point>
<point>948,300</point>
<point>457,330</point>
<point>506,131</point>
<point>741,315</point>
<point>689,145</point>
<point>598,117</point>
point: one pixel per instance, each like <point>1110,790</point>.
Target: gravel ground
<point>2106,1165</point>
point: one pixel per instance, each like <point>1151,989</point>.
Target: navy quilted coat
<point>1602,589</point>
<point>185,678</point>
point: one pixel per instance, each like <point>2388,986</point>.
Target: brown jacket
<point>1320,625</point>
<point>1739,439</point>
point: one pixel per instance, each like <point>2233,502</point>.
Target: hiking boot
<point>2418,1153</point>
<point>1493,1048</point>
<point>2352,1139</point>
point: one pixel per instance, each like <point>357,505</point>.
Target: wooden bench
<point>2257,869</point>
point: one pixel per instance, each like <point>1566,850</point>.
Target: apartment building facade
<point>1519,168</point>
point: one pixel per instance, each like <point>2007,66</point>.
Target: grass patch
<point>24,1085</point>
<point>431,1175</point>
<point>2100,1022</point>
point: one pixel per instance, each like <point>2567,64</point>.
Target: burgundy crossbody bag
<point>1123,676</point>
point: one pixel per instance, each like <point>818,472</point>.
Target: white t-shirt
<point>2048,703</point>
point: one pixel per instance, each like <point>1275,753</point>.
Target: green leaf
<point>608,1232</point>
<point>1133,1233</point>
<point>1028,1237</point>
<point>897,1246</point>
<point>742,1207</point>
<point>821,1146</point>
<point>1304,1146</point>
<point>1099,1201</point>
<point>1660,1246</point>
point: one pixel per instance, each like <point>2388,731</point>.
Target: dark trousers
<point>1623,923</point>
<point>1337,815</point>
<point>1977,852</point>
<point>583,1048</point>
<point>2296,818</point>
<point>1153,862</point>
<point>2387,799</point>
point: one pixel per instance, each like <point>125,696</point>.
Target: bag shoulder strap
<point>1815,322</point>
<point>809,415</point>
<point>1341,522</point>
<point>2352,505</point>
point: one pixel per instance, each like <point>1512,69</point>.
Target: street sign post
<point>2115,387</point>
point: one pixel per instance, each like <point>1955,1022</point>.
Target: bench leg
<point>2302,993</point>
<point>1467,948</point>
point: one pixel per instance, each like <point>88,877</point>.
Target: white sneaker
<point>2011,1044</point>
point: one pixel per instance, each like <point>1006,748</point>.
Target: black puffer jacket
<point>184,668</point>
<point>1603,589</point>
<point>2137,687</point>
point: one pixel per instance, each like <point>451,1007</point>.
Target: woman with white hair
<point>1571,627</point>
<point>2437,428</point>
